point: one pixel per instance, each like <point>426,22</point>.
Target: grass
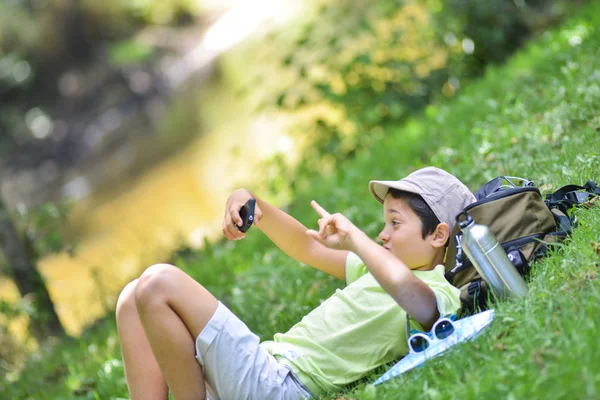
<point>536,117</point>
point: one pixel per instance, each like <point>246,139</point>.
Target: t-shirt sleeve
<point>446,295</point>
<point>355,268</point>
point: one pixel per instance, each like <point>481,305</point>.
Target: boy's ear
<point>441,235</point>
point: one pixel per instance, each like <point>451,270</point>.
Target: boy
<point>165,313</point>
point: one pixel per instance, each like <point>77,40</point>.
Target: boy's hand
<point>334,229</point>
<point>232,214</point>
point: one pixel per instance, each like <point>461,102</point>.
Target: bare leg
<point>144,377</point>
<point>173,310</point>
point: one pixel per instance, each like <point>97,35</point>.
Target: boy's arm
<point>286,232</point>
<point>411,293</point>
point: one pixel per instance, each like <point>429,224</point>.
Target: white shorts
<point>237,368</point>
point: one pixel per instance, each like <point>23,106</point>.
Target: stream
<point>121,228</point>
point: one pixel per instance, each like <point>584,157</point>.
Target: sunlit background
<point>174,201</point>
<point>124,126</point>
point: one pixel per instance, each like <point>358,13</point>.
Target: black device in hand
<point>247,215</point>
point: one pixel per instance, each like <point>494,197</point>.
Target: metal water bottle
<point>489,258</point>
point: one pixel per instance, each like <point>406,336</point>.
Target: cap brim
<point>379,189</point>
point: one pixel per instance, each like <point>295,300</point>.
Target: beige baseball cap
<point>443,192</point>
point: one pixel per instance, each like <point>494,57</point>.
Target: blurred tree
<point>40,41</point>
<point>351,67</point>
<point>20,260</point>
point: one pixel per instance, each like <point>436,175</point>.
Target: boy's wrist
<point>356,237</point>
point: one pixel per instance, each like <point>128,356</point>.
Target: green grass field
<point>537,117</point>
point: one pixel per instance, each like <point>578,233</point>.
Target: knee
<point>154,285</point>
<point>126,302</point>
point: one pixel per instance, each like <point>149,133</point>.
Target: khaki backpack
<point>524,224</point>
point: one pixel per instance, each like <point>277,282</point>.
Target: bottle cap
<point>464,222</point>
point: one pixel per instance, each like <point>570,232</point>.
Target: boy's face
<point>402,235</point>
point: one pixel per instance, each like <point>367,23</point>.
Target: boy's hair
<point>445,195</point>
<point>429,221</point>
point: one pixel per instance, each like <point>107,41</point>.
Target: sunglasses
<point>420,341</point>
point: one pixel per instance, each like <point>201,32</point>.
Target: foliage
<point>40,40</point>
<point>43,233</point>
<point>120,15</point>
<point>535,117</point>
<point>44,227</point>
<point>129,52</point>
<point>11,351</point>
<point>376,63</point>
<point>496,29</point>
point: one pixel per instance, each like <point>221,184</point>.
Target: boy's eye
<point>394,223</point>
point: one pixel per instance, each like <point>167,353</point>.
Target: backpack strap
<point>564,199</point>
<point>572,195</point>
<point>564,222</point>
<point>474,296</point>
<point>489,188</point>
<point>499,183</point>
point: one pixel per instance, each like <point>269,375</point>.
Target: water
<point>121,231</point>
<point>135,223</point>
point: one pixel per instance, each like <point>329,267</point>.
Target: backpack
<point>525,225</point>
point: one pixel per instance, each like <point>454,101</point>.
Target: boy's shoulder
<point>447,296</point>
<point>356,269</point>
<point>363,287</point>
<point>434,274</point>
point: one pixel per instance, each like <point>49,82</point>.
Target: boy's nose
<point>383,236</point>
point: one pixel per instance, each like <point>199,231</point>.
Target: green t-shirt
<point>355,330</point>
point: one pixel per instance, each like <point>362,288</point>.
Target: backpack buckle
<point>517,258</point>
<point>460,255</point>
<point>474,289</point>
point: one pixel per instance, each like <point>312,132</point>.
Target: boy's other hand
<point>232,217</point>
<point>334,229</point>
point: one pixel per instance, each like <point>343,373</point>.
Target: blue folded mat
<point>465,329</point>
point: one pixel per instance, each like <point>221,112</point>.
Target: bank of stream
<point>121,229</point>
<point>139,219</point>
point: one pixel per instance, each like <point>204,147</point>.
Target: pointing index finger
<point>320,210</point>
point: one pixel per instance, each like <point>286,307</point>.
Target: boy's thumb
<point>313,234</point>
